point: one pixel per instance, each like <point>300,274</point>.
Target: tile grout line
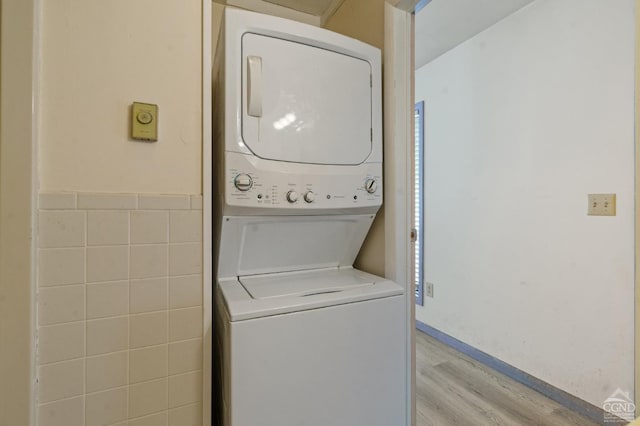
<point>168,304</point>
<point>128,381</point>
<point>86,262</point>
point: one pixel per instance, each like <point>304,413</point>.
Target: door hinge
<point>413,235</point>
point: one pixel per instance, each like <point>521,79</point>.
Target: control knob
<point>371,186</point>
<point>292,196</point>
<point>243,182</point>
<point>309,197</point>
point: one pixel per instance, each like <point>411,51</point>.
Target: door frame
<point>398,92</point>
<point>19,87</point>
<point>207,211</point>
<point>637,213</point>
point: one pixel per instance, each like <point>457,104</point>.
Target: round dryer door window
<point>304,104</point>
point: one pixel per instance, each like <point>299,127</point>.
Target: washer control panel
<point>302,187</point>
<point>292,196</point>
<point>309,197</point>
<point>243,182</point>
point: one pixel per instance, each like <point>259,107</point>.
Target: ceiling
<point>443,24</point>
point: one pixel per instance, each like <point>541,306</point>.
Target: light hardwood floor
<point>453,389</point>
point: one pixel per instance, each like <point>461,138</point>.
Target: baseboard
<point>558,395</point>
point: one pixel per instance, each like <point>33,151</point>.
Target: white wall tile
<point>60,304</point>
<point>148,295</point>
<point>107,228</point>
<point>148,329</point>
<point>107,335</point>
<point>97,201</point>
<point>196,202</point>
<point>185,291</point>
<point>185,259</point>
<point>61,266</point>
<point>107,299</point>
<point>185,356</point>
<point>60,342</point>
<point>149,227</point>
<point>57,201</point>
<point>185,389</point>
<point>159,419</point>
<point>107,263</point>
<point>149,261</point>
<point>67,412</point>
<point>106,408</point>
<point>60,380</point>
<point>147,398</point>
<point>58,229</point>
<point>148,363</point>
<point>164,202</point>
<point>188,415</point>
<point>186,226</point>
<point>185,324</point>
<point>104,260</point>
<point>107,371</point>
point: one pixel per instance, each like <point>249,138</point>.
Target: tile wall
<point>119,310</point>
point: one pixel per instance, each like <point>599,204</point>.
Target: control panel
<point>261,183</point>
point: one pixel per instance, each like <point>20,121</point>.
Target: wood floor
<point>453,389</point>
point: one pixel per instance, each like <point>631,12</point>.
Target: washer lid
<point>259,296</point>
<point>304,284</point>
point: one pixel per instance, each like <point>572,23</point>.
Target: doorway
<point>513,132</point>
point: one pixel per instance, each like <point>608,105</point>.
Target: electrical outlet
<point>601,205</point>
<point>428,289</point>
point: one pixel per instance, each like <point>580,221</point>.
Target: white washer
<point>302,338</point>
<point>312,348</point>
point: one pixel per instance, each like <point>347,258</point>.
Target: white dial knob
<point>309,197</point>
<point>243,182</point>
<point>292,196</point>
<point>371,185</point>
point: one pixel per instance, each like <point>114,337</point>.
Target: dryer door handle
<point>254,86</point>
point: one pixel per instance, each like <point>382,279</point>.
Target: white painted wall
<point>522,121</point>
<point>97,58</point>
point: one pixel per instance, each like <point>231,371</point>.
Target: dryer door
<point>304,104</point>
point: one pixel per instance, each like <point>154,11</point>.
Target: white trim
<point>20,55</point>
<point>35,190</point>
<point>636,313</point>
<point>398,95</point>
<point>207,252</point>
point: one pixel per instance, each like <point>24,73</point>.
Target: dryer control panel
<point>254,182</point>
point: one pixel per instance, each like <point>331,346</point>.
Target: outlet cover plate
<point>428,289</point>
<point>601,205</point>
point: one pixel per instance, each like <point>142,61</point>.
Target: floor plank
<point>455,390</point>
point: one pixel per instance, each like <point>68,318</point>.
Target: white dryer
<point>303,338</point>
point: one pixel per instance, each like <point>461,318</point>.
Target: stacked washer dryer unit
<point>303,338</point>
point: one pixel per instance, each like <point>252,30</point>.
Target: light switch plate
<point>601,205</point>
<point>144,122</point>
